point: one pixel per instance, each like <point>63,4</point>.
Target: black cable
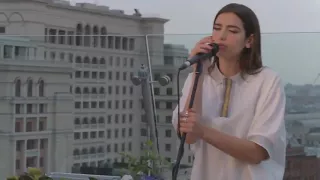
<point>176,167</point>
<point>178,94</point>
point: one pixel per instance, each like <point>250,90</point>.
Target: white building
<point>66,96</point>
<point>304,128</point>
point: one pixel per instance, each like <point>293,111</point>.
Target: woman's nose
<point>223,35</point>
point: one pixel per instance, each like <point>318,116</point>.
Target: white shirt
<point>256,113</point>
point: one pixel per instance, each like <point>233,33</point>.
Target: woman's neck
<point>229,67</point>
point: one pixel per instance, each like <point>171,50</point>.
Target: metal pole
<point>147,103</point>
<point>145,82</point>
<point>152,99</point>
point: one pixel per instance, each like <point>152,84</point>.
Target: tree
<point>149,164</point>
<point>35,174</point>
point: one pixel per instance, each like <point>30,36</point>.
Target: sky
<point>284,51</point>
<point>190,16</point>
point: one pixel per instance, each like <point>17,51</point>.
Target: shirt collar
<point>219,77</point>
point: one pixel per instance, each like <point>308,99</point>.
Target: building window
<point>131,44</point>
<point>168,147</point>
<point>168,60</point>
<point>169,91</point>
<point>41,88</point>
<point>143,132</point>
<point>52,36</point>
<point>168,133</point>
<point>29,88</point>
<point>2,29</point>
<point>18,88</point>
<point>156,91</point>
<point>7,53</point>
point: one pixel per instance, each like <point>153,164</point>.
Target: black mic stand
<point>176,167</point>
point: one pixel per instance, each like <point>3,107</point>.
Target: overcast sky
<point>295,56</point>
<point>191,16</point>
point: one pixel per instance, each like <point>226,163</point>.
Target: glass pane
<point>78,98</point>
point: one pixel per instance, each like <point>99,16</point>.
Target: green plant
<point>36,174</point>
<point>13,178</point>
<point>31,174</point>
<point>148,163</point>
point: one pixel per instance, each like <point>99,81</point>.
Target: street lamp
<point>143,79</point>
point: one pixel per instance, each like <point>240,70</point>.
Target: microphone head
<point>215,48</point>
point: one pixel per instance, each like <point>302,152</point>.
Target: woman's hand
<point>201,47</point>
<point>189,123</point>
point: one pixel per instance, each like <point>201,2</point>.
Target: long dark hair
<point>250,60</point>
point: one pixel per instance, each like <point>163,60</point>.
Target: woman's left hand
<point>191,124</point>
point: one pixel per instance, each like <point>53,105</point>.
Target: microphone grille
<point>215,48</point>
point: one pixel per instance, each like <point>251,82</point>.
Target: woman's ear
<point>249,41</point>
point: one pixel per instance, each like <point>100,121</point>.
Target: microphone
<point>200,57</point>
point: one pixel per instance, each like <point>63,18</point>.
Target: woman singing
<point>236,126</point>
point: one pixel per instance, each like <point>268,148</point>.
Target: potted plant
<point>148,166</point>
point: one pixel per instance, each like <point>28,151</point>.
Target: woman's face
<point>228,32</point>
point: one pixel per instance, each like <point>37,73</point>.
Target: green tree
<point>32,174</point>
<point>36,174</point>
<point>141,165</point>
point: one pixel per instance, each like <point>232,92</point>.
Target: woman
<point>236,126</point>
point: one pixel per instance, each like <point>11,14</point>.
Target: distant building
<point>66,96</point>
<point>304,128</point>
<point>300,166</point>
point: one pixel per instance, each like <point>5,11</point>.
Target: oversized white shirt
<point>256,113</point>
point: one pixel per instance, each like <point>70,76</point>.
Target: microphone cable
<point>176,167</point>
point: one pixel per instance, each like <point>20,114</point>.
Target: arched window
<point>17,88</point>
<point>41,88</point>
<point>29,88</point>
<point>79,35</point>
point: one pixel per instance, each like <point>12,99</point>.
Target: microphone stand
<point>184,135</point>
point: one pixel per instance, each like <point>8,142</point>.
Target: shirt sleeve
<point>183,100</point>
<point>268,126</point>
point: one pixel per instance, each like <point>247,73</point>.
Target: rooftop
<point>93,8</point>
